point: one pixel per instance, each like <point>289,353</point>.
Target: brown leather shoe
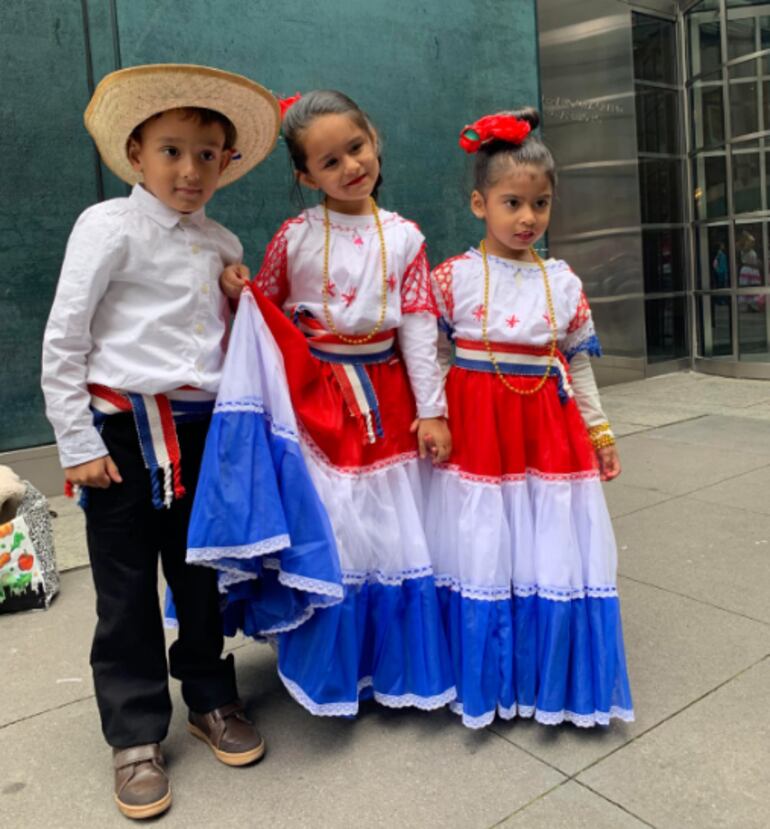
<point>229,733</point>
<point>141,784</point>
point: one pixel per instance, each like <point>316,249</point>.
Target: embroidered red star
<point>478,312</point>
<point>331,288</point>
<point>348,297</point>
<point>392,283</point>
<point>357,240</point>
<point>512,320</point>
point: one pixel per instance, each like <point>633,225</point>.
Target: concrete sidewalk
<point>692,516</point>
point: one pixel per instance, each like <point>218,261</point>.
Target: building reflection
<point>645,103</point>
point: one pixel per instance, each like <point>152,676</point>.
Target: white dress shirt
<point>137,308</point>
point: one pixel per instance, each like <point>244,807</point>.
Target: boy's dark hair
<point>492,158</point>
<point>314,104</point>
<point>202,115</point>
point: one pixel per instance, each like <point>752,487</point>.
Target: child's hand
<point>233,280</point>
<point>433,438</point>
<point>609,462</point>
<point>99,473</point>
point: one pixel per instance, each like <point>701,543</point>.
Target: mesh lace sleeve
<point>272,278</point>
<point>416,293</point>
<point>441,279</point>
<point>581,334</point>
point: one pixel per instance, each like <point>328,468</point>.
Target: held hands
<point>99,473</point>
<point>609,462</point>
<point>433,438</point>
<point>233,280</point>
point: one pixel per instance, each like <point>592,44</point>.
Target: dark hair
<point>491,158</point>
<point>313,105</point>
<point>202,115</point>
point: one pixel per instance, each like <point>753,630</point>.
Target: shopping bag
<point>28,575</point>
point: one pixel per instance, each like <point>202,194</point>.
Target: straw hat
<point>126,98</point>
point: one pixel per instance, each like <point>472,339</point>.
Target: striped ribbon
<point>348,364</point>
<point>155,416</point>
<point>521,360</point>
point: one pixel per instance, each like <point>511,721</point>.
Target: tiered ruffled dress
<point>523,548</point>
<point>311,496</point>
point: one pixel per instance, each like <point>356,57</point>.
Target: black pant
<point>128,657</point>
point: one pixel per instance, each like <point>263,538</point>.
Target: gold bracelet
<point>601,435</point>
<point>602,441</point>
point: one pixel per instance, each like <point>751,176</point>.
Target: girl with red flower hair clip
<point>517,521</point>
<point>342,314</point>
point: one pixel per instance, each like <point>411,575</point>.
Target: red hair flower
<point>285,103</point>
<point>502,127</point>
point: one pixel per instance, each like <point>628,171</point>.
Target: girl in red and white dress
<point>523,548</point>
<point>345,292</point>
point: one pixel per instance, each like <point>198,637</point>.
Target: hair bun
<point>506,138</point>
<point>528,114</point>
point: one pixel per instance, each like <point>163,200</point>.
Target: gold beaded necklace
<point>551,316</point>
<point>361,338</point>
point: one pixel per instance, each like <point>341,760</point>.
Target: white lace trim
<point>350,709</point>
<point>492,593</point>
<point>256,405</point>
<point>486,719</point>
<point>285,627</point>
<point>519,477</point>
<point>543,717</point>
<point>323,588</point>
<point>365,682</point>
<point>226,578</point>
<point>507,713</point>
<point>320,458</point>
<point>481,721</point>
<point>415,701</point>
<point>326,709</point>
<point>525,711</point>
<point>226,575</point>
<point>486,594</point>
<point>201,555</point>
<point>249,403</point>
<point>269,634</point>
<point>391,579</point>
<point>229,575</point>
<point>584,720</point>
<point>565,594</point>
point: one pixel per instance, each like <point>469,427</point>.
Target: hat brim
<point>126,98</point>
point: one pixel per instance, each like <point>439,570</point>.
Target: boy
<point>132,357</point>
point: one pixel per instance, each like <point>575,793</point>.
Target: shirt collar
<point>165,216</point>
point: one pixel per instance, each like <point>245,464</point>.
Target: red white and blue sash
<point>155,416</point>
<point>348,363</point>
<point>521,360</point>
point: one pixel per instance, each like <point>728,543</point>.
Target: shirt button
<point>199,328</point>
<point>205,288</point>
<point>196,248</point>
